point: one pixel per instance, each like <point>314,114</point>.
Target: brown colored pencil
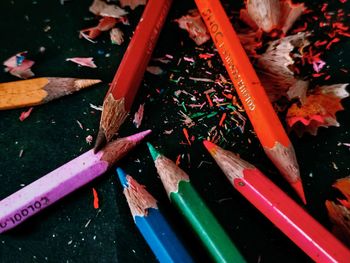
<point>24,93</point>
<point>128,77</point>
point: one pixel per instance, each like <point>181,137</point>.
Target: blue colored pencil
<point>153,226</point>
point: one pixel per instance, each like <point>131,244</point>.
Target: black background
<point>51,136</point>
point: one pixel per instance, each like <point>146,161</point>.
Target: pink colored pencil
<point>50,188</point>
<point>280,209</point>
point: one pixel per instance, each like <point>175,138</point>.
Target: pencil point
<point>153,151</point>
<point>139,136</point>
<point>298,187</point>
<point>101,141</point>
<point>210,146</point>
<point>122,177</point>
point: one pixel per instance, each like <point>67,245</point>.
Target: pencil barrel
<point>45,191</point>
<point>161,238</point>
<point>290,218</point>
<point>204,224</point>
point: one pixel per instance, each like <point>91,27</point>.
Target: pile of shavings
<point>339,211</point>
<point>109,16</point>
<point>201,94</point>
<point>288,45</point>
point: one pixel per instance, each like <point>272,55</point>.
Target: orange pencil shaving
<point>266,124</point>
<point>209,100</point>
<point>186,135</point>
<point>96,201</point>
<point>222,119</point>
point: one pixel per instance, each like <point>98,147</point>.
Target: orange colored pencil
<point>264,119</point>
<point>127,80</point>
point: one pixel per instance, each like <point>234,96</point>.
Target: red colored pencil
<point>279,208</point>
<point>123,89</point>
<point>261,114</point>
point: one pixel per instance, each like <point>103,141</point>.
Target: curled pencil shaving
<point>25,114</point>
<point>105,24</point>
<point>274,66</point>
<point>139,116</point>
<point>195,26</point>
<point>132,3</point>
<point>318,110</point>
<point>268,15</point>
<point>117,36</point>
<point>101,8</point>
<point>86,62</point>
<point>138,198</point>
<point>19,66</point>
<point>250,41</point>
<point>339,212</point>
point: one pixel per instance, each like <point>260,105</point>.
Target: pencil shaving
<point>319,109</point>
<point>274,66</point>
<point>101,8</point>
<point>117,36</point>
<point>195,27</point>
<point>132,3</point>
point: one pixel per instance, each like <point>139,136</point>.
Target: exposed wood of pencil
<point>152,224</point>
<point>266,124</point>
<point>280,209</point>
<point>48,189</point>
<point>23,93</point>
<point>197,214</point>
<point>129,75</point>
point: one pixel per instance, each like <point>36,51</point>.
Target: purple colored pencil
<point>50,188</point>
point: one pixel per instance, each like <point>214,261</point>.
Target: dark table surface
<point>72,230</point>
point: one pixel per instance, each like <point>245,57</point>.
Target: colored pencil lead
<point>279,208</point>
<point>55,185</point>
<point>186,199</point>
<point>154,227</point>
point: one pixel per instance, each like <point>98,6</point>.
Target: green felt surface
<point>72,230</point>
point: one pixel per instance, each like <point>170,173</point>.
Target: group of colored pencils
<point>272,202</point>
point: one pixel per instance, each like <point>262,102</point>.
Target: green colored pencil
<point>181,193</point>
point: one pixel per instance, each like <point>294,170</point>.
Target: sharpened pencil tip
<point>210,146</point>
<point>139,136</point>
<point>298,187</point>
<point>101,141</point>
<point>122,177</point>
<point>153,151</point>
